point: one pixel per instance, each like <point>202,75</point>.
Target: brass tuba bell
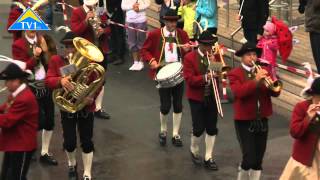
<point>82,80</point>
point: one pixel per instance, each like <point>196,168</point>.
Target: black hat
<point>171,15</point>
<point>207,38</point>
<point>313,90</point>
<point>248,47</point>
<point>68,38</point>
<point>13,71</point>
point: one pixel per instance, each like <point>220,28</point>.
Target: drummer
<point>164,46</point>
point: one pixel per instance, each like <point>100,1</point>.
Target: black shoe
<point>210,164</point>
<point>196,159</point>
<point>163,138</point>
<point>102,114</point>
<point>48,160</point>
<point>119,61</point>
<point>176,141</point>
<point>86,178</point>
<point>72,173</point>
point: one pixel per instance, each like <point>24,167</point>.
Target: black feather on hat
<point>248,47</point>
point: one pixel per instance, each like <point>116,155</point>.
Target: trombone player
<point>252,107</point>
<point>81,120</point>
<point>202,98</point>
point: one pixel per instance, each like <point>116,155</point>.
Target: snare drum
<point>170,75</point>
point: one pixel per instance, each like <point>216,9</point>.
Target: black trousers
<point>315,46</point>
<point>170,96</point>
<point>15,165</point>
<point>118,35</point>
<point>83,120</point>
<point>46,108</point>
<point>253,142</point>
<point>204,116</point>
<point>250,35</point>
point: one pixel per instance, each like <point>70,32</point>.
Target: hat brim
<point>306,93</point>
<point>24,75</point>
<point>66,41</point>
<point>207,42</point>
<point>171,18</point>
<point>241,52</point>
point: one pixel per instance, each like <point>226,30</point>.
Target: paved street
<point>127,146</point>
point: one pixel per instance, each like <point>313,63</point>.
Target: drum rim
<point>180,71</point>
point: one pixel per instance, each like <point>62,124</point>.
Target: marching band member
<point>18,124</point>
<point>80,25</point>
<point>201,98</point>
<point>166,5</point>
<point>304,162</point>
<point>35,51</point>
<point>160,49</point>
<point>81,120</point>
<point>252,107</point>
<point>14,14</point>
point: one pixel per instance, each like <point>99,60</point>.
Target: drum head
<point>169,70</point>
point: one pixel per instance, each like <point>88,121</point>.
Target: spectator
<point>206,14</point>
<point>311,8</point>
<point>188,13</point>
<point>136,18</point>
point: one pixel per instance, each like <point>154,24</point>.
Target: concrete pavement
<point>127,146</point>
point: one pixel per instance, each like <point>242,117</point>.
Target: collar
<point>166,33</point>
<point>247,68</point>
<point>200,53</point>
<point>86,9</point>
<point>31,41</point>
<point>19,90</point>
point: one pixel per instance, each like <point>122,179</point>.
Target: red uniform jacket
<point>246,96</point>
<point>20,52</point>
<point>194,78</point>
<point>53,76</point>
<point>14,14</point>
<point>151,47</point>
<point>81,28</point>
<point>19,123</point>
<point>305,140</point>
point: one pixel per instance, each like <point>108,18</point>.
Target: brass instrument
<point>95,22</point>
<point>218,54</point>
<point>275,86</point>
<point>87,53</point>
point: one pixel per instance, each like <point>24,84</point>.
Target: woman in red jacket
<point>304,162</point>
<point>18,124</point>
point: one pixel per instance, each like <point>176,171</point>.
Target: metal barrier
<point>232,43</point>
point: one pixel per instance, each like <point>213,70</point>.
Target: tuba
<point>86,69</point>
<point>275,86</point>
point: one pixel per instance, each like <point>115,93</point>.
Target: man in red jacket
<point>18,124</point>
<point>252,107</point>
<point>201,98</point>
<point>159,45</point>
<point>81,120</point>
<point>98,35</point>
<point>33,49</point>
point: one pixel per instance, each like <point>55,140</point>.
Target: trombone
<point>212,68</point>
<point>218,54</point>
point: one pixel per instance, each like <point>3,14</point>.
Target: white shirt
<point>247,68</point>
<point>170,56</point>
<point>133,16</point>
<point>31,40</point>
<point>19,90</point>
